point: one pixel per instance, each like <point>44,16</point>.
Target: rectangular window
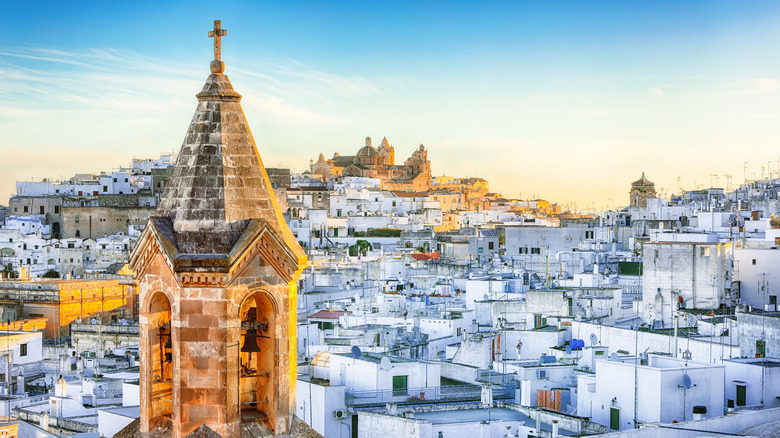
<point>42,210</point>
<point>704,251</point>
<point>338,213</point>
<point>524,250</point>
<point>26,209</point>
<point>535,251</point>
<point>589,234</point>
<point>655,253</point>
<point>399,385</point>
<point>56,209</point>
<point>754,261</point>
<point>22,349</point>
<point>480,250</point>
<point>490,245</point>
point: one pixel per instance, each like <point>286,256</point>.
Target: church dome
<point>367,151</point>
<point>642,182</point>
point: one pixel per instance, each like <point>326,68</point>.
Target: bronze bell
<point>250,342</point>
<point>168,343</point>
<point>168,357</point>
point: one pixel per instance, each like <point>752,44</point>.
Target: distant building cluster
<point>85,224</point>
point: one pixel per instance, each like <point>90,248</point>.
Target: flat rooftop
<point>768,362</point>
<point>472,415</point>
<point>480,415</point>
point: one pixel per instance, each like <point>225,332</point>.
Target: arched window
<point>160,361</point>
<point>257,356</point>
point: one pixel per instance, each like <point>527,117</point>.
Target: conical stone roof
<point>219,182</point>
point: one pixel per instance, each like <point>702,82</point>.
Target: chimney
<point>699,412</point>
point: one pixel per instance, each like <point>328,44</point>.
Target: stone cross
<point>217,34</point>
<point>217,66</point>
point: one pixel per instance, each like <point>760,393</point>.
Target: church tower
<point>641,190</point>
<point>216,268</point>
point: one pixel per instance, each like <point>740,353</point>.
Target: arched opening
<point>257,395</point>
<point>658,308</point>
<point>160,363</point>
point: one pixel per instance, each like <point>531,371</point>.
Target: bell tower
<point>216,268</point>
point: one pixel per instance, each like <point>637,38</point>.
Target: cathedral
<point>216,270</point>
<point>370,162</point>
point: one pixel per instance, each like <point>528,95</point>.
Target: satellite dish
<point>385,364</point>
<point>614,357</point>
<point>123,321</point>
<point>93,321</point>
<point>568,349</point>
<point>356,352</point>
<point>593,339</point>
<point>486,297</point>
<point>687,382</point>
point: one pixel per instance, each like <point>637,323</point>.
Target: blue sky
<point>566,100</point>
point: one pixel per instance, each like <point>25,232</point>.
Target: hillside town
<point>200,293</point>
<point>428,303</point>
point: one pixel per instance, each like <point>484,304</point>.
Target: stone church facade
<point>413,175</point>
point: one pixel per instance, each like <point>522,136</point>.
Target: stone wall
<point>93,222</point>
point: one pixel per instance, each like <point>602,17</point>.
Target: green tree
<point>360,247</point>
<point>51,273</point>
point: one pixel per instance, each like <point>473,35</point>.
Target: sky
<point>569,101</point>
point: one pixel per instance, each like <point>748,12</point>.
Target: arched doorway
<point>658,309</point>
<point>160,361</point>
<point>257,357</point>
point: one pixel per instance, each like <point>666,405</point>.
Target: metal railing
<point>431,394</point>
<point>108,393</point>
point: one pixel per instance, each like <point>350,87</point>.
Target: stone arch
<point>257,374</point>
<point>159,360</point>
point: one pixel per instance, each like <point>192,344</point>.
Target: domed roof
<point>367,151</point>
<point>643,181</point>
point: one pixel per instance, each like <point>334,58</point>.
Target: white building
<point>623,392</point>
<point>684,272</point>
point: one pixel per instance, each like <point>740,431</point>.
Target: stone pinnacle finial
<point>217,66</point>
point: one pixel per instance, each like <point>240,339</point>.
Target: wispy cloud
<point>767,84</point>
<point>121,80</point>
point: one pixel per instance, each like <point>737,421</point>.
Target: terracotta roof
<point>420,256</point>
<point>328,314</point>
<point>410,194</point>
